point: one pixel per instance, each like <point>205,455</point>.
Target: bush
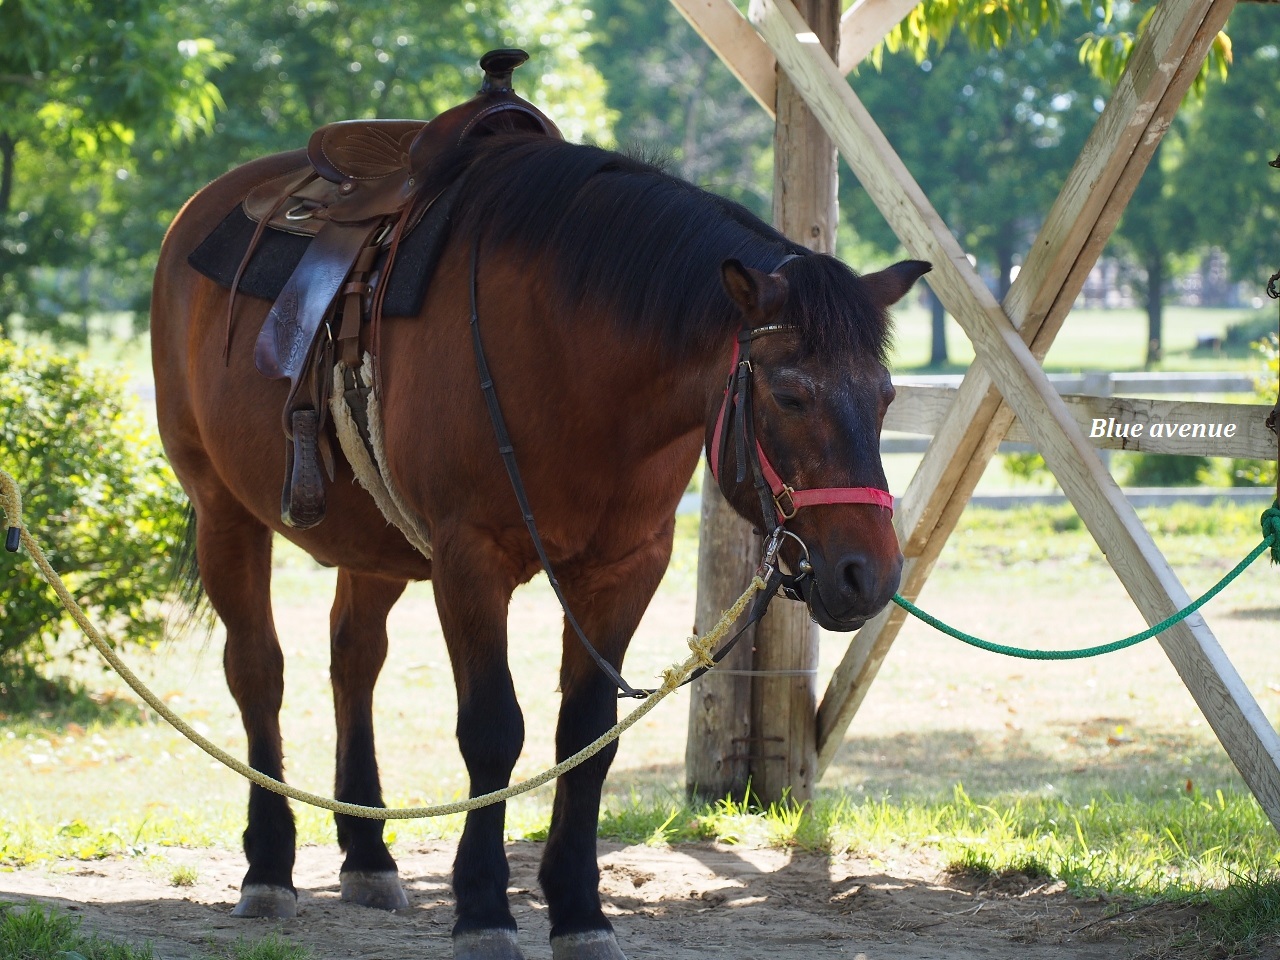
<point>1164,470</point>
<point>97,495</point>
<point>1261,473</point>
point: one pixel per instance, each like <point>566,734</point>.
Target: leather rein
<point>779,502</point>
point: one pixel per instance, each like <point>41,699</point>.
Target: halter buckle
<point>789,511</point>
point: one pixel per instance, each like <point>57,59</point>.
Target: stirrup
<point>302,501</point>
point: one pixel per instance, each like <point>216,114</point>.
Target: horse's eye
<point>789,401</point>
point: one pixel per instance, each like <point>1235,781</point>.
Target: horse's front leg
<point>473,585</point>
<point>608,601</point>
<point>358,648</point>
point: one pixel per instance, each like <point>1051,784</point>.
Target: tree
<point>1156,227</point>
<point>77,88</point>
<point>989,134</point>
<point>1230,194</point>
<point>673,96</point>
<point>134,95</point>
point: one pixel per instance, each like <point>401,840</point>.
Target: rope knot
<point>702,652</point>
<point>1271,529</point>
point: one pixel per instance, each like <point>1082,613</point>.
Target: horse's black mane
<point>648,244</point>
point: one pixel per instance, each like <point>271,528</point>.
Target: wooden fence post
<point>715,759</point>
<point>785,689</point>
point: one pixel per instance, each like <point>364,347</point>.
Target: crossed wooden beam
<point>1011,338</point>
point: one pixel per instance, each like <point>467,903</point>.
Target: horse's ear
<point>758,295</point>
<point>891,284</point>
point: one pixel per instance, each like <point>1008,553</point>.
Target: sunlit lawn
<point>1088,766</point>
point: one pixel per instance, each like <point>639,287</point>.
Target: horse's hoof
<point>486,945</point>
<point>263,900</point>
<point>592,945</point>
<point>379,889</point>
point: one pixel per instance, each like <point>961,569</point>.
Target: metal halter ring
<point>804,567</point>
<point>774,544</point>
<point>300,211</point>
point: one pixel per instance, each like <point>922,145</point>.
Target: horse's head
<point>797,439</point>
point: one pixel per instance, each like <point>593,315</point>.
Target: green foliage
<point>1162,470</point>
<point>1243,917</point>
<point>271,947</point>
<point>34,933</point>
<point>1259,325</point>
<point>673,97</point>
<point>98,495</point>
<point>1029,466</point>
<point>990,135</point>
<point>1261,473</point>
<point>79,91</point>
<point>985,24</point>
<point>1106,52</point>
<point>1232,196</point>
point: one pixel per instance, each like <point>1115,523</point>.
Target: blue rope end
<point>1271,529</point>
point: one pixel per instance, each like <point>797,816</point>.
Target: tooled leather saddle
<point>364,189</point>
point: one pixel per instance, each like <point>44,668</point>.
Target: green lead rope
<point>1270,541</point>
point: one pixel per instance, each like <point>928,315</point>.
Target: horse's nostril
<point>855,577</point>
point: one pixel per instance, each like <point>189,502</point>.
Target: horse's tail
<point>190,610</point>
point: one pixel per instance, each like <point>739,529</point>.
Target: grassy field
<point>1093,339</point>
<point>1102,773</point>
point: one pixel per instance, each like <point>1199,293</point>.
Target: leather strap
<point>290,328</point>
<point>507,450</point>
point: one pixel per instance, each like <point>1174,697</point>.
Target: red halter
<point>786,500</point>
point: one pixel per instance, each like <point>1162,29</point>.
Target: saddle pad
<point>219,255</point>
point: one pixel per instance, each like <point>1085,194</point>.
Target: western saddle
<point>364,188</point>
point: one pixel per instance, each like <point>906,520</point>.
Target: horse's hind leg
<point>234,553</point>
<point>358,647</point>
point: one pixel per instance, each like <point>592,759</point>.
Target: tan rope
<point>672,677</point>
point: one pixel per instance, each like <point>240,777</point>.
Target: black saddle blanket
<point>219,255</point>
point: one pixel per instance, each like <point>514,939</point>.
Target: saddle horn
<point>498,65</point>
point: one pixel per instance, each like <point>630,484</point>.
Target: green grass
<point>31,932</point>
<point>1157,816</point>
<point>1091,339</point>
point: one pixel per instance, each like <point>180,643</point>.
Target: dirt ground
<point>681,903</point>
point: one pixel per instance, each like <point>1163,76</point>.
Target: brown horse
<point>609,294</point>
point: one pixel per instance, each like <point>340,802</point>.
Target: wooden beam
<point>1197,427</point>
<point>865,24</point>
<point>784,699</point>
<point>727,32</point>
<point>1121,143</point>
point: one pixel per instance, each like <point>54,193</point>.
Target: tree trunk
<point>716,752</point>
<point>8,158</point>
<point>1004,261</point>
<point>1155,307</point>
<point>938,325</point>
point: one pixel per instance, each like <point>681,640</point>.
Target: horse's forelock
<point>835,310</point>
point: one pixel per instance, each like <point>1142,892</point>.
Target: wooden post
<point>718,745</point>
<point>784,700</point>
